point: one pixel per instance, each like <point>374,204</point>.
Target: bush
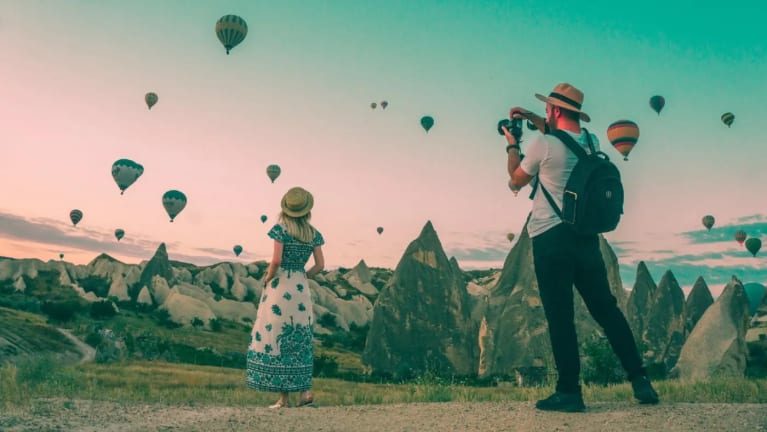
<point>197,322</point>
<point>60,311</point>
<point>601,366</point>
<point>94,339</point>
<point>325,366</point>
<point>327,320</point>
<point>103,309</point>
<point>164,319</point>
<point>95,284</point>
<point>215,324</point>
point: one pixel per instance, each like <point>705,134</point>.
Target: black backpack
<point>593,198</point>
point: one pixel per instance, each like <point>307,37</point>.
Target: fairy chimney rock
<point>698,301</point>
<point>717,346</point>
<point>422,317</point>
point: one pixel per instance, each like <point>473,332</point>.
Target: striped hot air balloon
<point>273,171</point>
<point>150,99</point>
<point>174,201</point>
<point>125,172</point>
<point>119,234</point>
<point>740,236</point>
<point>231,30</point>
<point>75,216</point>
<point>728,118</point>
<point>623,135</point>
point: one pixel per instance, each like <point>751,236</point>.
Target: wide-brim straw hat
<point>297,202</point>
<point>568,97</point>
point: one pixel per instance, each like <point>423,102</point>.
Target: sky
<point>297,92</point>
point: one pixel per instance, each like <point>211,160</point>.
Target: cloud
<point>754,226</point>
<point>473,254</point>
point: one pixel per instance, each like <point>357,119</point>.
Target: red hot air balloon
<point>740,236</point>
<point>657,103</point>
<point>623,135</point>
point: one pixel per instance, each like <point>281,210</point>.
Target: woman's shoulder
<point>318,240</point>
<point>279,232</point>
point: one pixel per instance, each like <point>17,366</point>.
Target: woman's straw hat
<point>297,202</point>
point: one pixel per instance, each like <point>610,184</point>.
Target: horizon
<point>297,92</point>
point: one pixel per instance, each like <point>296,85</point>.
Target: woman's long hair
<point>298,227</point>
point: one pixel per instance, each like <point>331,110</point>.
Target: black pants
<point>562,259</point>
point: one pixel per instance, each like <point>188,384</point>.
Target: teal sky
<point>297,91</point>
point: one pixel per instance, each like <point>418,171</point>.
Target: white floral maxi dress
<point>281,351</point>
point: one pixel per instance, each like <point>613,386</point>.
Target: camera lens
<point>504,122</point>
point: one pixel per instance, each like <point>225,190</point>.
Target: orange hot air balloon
<point>740,236</point>
<point>623,135</point>
<point>708,221</point>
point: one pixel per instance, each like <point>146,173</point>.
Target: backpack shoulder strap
<point>570,143</point>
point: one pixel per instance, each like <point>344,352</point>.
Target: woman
<point>281,352</point>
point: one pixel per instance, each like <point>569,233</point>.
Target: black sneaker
<point>643,391</point>
<point>565,402</point>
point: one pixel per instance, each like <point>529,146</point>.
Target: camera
<point>514,125</point>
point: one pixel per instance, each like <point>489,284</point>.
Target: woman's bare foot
<point>282,402</point>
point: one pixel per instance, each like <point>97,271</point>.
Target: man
<point>563,258</point>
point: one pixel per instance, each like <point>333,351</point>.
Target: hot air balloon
<point>125,172</point>
<point>510,236</point>
<point>753,245</point>
<point>231,30</point>
<point>657,103</point>
<point>174,201</point>
<point>273,171</point>
<point>755,293</point>
<point>740,236</point>
<point>427,122</point>
<point>119,233</point>
<point>75,216</point>
<point>708,221</point>
<point>237,250</point>
<point>373,105</point>
<point>150,99</point>
<point>384,104</point>
<point>623,135</point>
<point>263,218</point>
<point>61,256</point>
<point>728,118</point>
<point>379,230</point>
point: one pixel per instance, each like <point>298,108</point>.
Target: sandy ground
<point>62,415</point>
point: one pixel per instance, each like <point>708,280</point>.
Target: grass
<point>183,384</point>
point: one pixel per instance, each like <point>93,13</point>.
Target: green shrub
<point>325,366</point>
<point>62,311</point>
<point>103,309</point>
<point>601,366</point>
<point>215,324</point>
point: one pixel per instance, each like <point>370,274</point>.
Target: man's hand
<point>534,118</point>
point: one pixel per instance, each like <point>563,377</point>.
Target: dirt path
<point>88,352</point>
<point>62,415</point>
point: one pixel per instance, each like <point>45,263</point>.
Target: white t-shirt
<point>553,162</point>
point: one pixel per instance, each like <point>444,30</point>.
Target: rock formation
<point>640,300</point>
<point>717,346</point>
<point>421,319</point>
<point>697,302</point>
<point>664,327</point>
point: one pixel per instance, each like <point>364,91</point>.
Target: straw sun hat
<point>568,97</point>
<point>297,202</point>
